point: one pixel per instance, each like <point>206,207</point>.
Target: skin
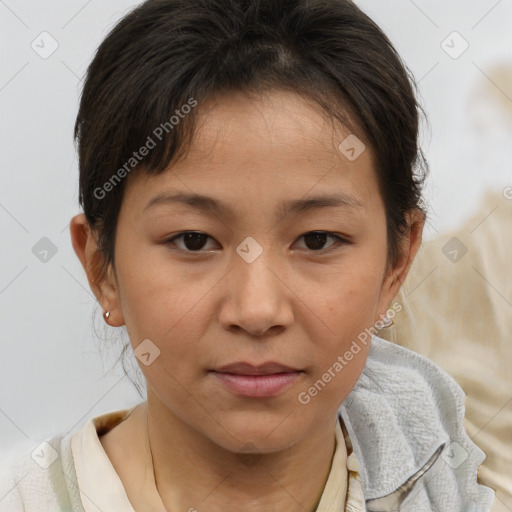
<point>295,304</point>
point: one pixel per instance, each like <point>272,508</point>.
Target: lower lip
<point>259,386</point>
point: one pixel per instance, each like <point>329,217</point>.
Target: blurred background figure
<point>457,310</point>
<point>489,130</point>
<point>457,299</point>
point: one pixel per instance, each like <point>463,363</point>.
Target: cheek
<point>347,296</point>
<point>347,304</point>
<point>161,301</point>
<point>341,353</point>
<point>162,305</point>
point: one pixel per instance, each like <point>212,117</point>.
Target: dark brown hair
<point>166,54</point>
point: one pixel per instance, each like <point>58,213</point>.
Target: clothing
<point>401,411</point>
<point>459,290</point>
<point>102,489</point>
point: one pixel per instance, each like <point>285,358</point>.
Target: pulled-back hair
<point>165,58</point>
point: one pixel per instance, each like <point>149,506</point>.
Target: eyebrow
<point>287,207</point>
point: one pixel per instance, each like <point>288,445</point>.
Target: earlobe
<point>102,284</point>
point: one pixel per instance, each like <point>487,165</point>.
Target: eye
<point>193,241</point>
<point>315,240</point>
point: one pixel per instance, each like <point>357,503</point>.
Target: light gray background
<point>52,373</point>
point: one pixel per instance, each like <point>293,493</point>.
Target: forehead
<point>281,121</point>
<point>276,142</point>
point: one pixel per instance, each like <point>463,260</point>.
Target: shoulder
<point>43,476</point>
<point>40,477</point>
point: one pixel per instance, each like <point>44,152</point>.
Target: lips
<point>244,368</point>
<point>262,381</point>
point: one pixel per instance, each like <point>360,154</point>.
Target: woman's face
<point>255,286</point>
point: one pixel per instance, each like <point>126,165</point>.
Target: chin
<point>253,433</point>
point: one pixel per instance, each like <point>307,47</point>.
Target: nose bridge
<point>252,264</point>
<point>257,298</point>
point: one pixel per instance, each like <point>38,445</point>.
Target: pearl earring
<point>106,314</point>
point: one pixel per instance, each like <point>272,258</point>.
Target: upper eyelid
<point>329,233</point>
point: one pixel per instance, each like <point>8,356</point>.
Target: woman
<point>257,130</point>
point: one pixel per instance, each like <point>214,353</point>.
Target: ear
<point>103,284</point>
<point>408,248</point>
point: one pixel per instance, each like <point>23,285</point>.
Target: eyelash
<point>340,241</point>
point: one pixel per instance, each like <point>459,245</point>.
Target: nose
<point>256,297</point>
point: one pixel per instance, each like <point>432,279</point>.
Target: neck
<point>192,473</point>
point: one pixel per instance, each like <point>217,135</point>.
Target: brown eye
<point>193,241</point>
<point>316,240</point>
